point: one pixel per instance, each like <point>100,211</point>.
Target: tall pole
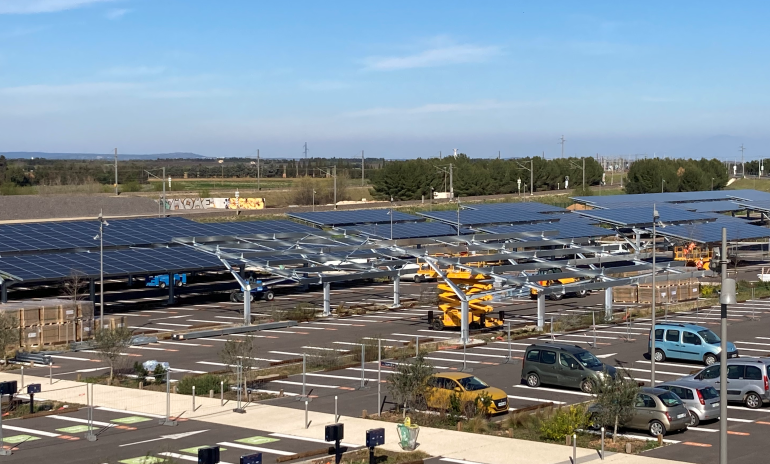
<point>391,220</point>
<point>335,186</point>
<point>258,173</point>
<point>306,164</point>
<point>532,176</point>
<point>654,290</point>
<point>723,359</point>
<point>458,216</point>
<point>163,181</point>
<point>561,141</point>
<point>101,269</point>
<point>451,184</point>
<point>584,174</point>
<point>116,171</point>
<point>363,166</point>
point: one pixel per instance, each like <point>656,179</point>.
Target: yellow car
<point>467,387</point>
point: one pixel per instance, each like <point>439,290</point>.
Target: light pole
<point>655,218</point>
<point>726,296</point>
<point>313,199</point>
<point>458,216</point>
<point>518,184</point>
<point>100,237</point>
<point>531,170</point>
<point>221,163</point>
<point>712,183</point>
<point>391,218</point>
<point>662,183</point>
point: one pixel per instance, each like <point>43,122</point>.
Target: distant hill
<point>93,156</point>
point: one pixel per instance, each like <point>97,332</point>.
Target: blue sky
<point>397,79</point>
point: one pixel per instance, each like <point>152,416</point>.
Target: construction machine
<point>561,281</point>
<point>694,256</point>
<point>450,304</point>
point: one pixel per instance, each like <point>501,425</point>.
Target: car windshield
<point>472,383</point>
<point>588,360</point>
<point>670,399</point>
<point>709,393</point>
<point>709,336</point>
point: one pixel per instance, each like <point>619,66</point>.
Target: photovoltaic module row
<point>640,216</point>
<point>404,230</point>
<point>711,232</point>
<point>563,230</point>
<point>470,218</point>
<point>56,266</point>
<point>68,235</point>
<point>353,217</point>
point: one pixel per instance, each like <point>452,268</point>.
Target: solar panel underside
<point>528,207</point>
<point>127,232</point>
<point>346,218</point>
<point>407,230</point>
<point>116,263</point>
<point>722,206</point>
<point>472,218</point>
<point>563,230</point>
<point>643,215</point>
<point>711,232</point>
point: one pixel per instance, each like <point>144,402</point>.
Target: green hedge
<point>203,383</point>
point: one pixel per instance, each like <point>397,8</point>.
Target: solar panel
<point>407,230</point>
<point>353,217</point>
<point>116,263</point>
<point>711,232</point>
<point>491,216</point>
<point>721,206</point>
<point>643,215</point>
<point>574,230</point>
<point>528,207</point>
<point>615,201</point>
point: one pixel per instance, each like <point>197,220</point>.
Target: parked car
<point>161,280</point>
<point>690,342</point>
<point>700,398</point>
<point>547,281</point>
<point>258,290</point>
<point>747,380</point>
<point>564,365</point>
<point>657,411</point>
<point>468,387</point>
<point>417,272</point>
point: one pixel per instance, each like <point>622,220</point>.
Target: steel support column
<point>130,280</point>
<point>327,299</point>
<point>608,304</point>
<point>92,291</point>
<point>3,291</point>
<point>638,240</point>
<point>396,291</point>
<point>247,305</point>
<point>540,310</point>
<point>465,320</point>
<point>171,283</point>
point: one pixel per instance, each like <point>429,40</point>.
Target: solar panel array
<point>407,230</point>
<point>472,218</point>
<point>354,217</point>
<point>563,230</point>
<point>616,201</point>
<point>527,207</point>
<point>643,215</point>
<point>711,232</point>
<point>127,232</point>
<point>124,262</point>
<point>722,206</point>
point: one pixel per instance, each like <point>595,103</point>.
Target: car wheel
<point>694,419</point>
<point>233,297</point>
<point>417,279</point>
<point>179,283</point>
<point>753,401</point>
<point>533,380</point>
<point>657,428</point>
<point>582,294</point>
<point>556,296</point>
<point>269,296</point>
<point>251,298</point>
<point>437,324</point>
<point>474,326</point>
<point>709,359</point>
<point>660,356</point>
<point>162,285</point>
<point>587,386</point>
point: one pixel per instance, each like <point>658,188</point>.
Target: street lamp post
<point>712,183</point>
<point>100,237</point>
<point>313,200</point>
<point>655,218</point>
<point>391,218</point>
<point>662,183</point>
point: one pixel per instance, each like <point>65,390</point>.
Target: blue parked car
<point>688,341</point>
<point>162,280</point>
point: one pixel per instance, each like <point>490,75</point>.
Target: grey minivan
<point>700,399</point>
<point>747,380</point>
<point>564,365</point>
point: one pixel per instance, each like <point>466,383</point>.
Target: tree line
<point>411,179</point>
<point>676,175</point>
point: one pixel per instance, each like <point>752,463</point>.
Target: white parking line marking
<point>312,440</point>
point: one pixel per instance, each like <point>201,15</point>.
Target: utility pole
<point>532,175</point>
<point>561,141</point>
<point>334,173</point>
<point>451,185</point>
<point>584,174</point>
<point>258,169</point>
<point>116,172</point>
<point>363,165</point>
<point>743,164</point>
<point>305,159</point>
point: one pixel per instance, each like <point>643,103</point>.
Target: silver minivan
<point>700,399</point>
<point>747,380</point>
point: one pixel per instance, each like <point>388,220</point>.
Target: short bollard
<point>211,393</point>
<point>222,392</point>
<point>336,416</point>
<point>193,397</point>
<point>22,376</point>
<point>574,448</point>
<point>50,373</point>
<point>602,455</point>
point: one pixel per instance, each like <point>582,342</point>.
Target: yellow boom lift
<point>694,256</point>
<point>450,305</point>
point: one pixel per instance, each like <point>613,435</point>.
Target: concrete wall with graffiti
<point>215,203</point>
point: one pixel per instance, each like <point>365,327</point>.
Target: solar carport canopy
<point>57,266</point>
<point>69,235</point>
<point>711,232</point>
<point>403,230</point>
<point>347,218</point>
<point>642,216</point>
<point>472,218</point>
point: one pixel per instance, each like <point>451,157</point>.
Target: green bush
<point>563,422</point>
<point>203,383</point>
<point>204,193</point>
<point>132,186</point>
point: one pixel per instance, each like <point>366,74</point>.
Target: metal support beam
<point>465,318</point>
<point>247,305</point>
<point>608,304</point>
<point>92,291</point>
<point>130,280</point>
<point>242,271</point>
<point>540,310</point>
<point>327,299</point>
<point>396,291</point>
<point>171,282</point>
<point>3,291</point>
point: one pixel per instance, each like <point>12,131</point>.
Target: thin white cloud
<point>85,89</point>
<point>437,108</point>
<point>117,13</point>
<point>323,86</point>
<point>134,71</point>
<point>43,6</point>
<point>433,57</point>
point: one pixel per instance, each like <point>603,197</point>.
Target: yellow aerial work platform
<point>450,305</point>
<point>694,256</point>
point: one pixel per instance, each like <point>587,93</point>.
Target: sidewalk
<point>436,442</point>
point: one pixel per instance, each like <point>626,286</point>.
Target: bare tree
<point>240,352</point>
<point>9,333</point>
<point>74,287</point>
<point>110,344</point>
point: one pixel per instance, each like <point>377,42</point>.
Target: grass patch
<point>381,457</point>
